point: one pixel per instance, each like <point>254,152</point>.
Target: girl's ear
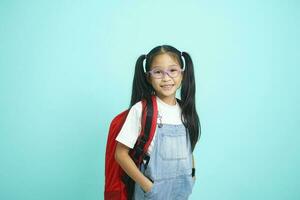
<point>148,79</point>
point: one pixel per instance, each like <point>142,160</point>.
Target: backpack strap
<point>148,125</point>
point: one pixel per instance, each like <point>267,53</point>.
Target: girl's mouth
<point>167,87</point>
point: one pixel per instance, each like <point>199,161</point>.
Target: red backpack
<point>118,185</point>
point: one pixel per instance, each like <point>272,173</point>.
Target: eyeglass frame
<point>165,71</point>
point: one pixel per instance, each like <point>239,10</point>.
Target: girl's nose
<point>166,76</point>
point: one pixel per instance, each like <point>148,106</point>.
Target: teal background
<point>66,69</point>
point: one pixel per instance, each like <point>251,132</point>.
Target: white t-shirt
<point>170,114</point>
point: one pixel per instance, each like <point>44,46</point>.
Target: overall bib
<point>169,167</point>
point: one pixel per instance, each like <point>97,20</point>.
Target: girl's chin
<point>167,92</point>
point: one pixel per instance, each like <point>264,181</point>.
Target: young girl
<point>169,174</point>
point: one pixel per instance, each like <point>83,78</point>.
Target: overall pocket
<point>173,147</point>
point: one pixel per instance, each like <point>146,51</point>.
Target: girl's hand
<point>194,177</point>
<point>128,165</point>
<point>148,186</point>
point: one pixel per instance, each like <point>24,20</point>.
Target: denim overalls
<point>169,167</point>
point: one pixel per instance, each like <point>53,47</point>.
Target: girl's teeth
<point>167,86</point>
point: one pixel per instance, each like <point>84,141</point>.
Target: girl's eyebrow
<point>168,66</point>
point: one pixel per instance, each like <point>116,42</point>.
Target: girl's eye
<point>174,70</point>
<point>157,72</point>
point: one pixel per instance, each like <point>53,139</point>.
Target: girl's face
<point>165,86</point>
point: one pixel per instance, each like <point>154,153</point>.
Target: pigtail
<point>140,87</point>
<point>188,101</point>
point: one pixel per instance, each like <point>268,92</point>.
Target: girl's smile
<point>167,86</point>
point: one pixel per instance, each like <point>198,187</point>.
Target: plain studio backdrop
<point>66,69</point>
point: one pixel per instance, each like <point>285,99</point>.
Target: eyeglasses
<point>173,72</point>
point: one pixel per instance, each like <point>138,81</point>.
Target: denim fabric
<point>169,167</point>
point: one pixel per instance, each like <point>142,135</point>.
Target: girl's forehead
<point>164,60</point>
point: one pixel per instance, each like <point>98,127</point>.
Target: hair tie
<point>144,61</point>
<point>183,68</point>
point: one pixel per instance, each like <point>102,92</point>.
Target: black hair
<point>141,88</point>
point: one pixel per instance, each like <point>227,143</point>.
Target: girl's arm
<point>128,165</point>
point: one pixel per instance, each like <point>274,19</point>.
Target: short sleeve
<point>131,127</point>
